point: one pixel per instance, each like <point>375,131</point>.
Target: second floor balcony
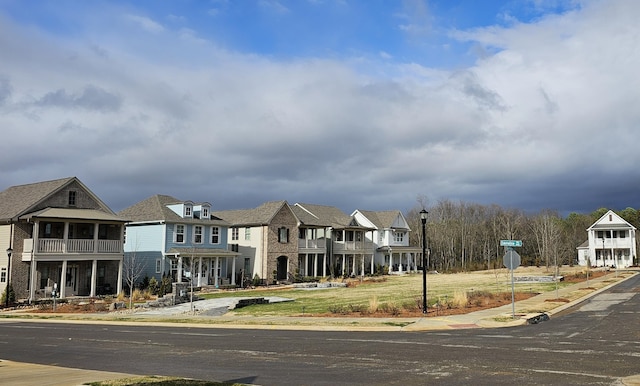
<point>73,246</point>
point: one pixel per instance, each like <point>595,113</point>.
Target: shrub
<point>10,293</point>
<point>153,286</point>
<point>373,304</point>
<point>460,299</point>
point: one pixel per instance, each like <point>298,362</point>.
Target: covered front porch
<point>78,276</point>
<point>215,267</point>
<point>401,260</point>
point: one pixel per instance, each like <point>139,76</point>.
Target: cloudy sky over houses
<point>368,104</point>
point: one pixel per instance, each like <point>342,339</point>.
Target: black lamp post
<point>423,219</point>
<point>6,299</point>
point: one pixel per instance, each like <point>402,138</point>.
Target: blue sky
<point>358,104</point>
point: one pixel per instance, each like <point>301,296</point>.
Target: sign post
<point>511,260</point>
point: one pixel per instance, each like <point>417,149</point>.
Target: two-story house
<point>59,236</point>
<point>391,239</point>
<point>265,238</point>
<point>350,251</point>
<point>179,239</point>
<point>611,243</point>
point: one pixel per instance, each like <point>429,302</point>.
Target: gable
<point>611,220</point>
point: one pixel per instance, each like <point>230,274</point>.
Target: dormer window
<point>188,211</point>
<point>72,198</point>
<point>205,213</point>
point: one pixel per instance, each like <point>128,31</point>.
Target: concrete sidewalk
<point>26,374</point>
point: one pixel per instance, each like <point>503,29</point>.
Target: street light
<point>423,219</point>
<point>6,299</point>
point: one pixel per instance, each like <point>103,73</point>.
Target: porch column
<point>63,280</point>
<point>179,275</point>
<point>372,265</point>
<point>353,264</point>
<point>315,264</point>
<point>215,274</point>
<point>233,270</point>
<point>362,266</point>
<point>306,265</point>
<point>65,238</point>
<point>94,275</point>
<point>199,271</point>
<point>120,269</point>
<point>344,262</point>
<point>96,228</point>
<point>324,264</point>
<point>34,276</point>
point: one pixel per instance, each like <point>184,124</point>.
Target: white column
<point>215,273</point>
<point>324,264</point>
<point>233,270</point>
<point>179,275</point>
<point>63,280</point>
<point>34,277</point>
<point>344,262</point>
<point>199,271</point>
<point>96,228</point>
<point>120,269</point>
<point>306,265</point>
<point>315,264</point>
<point>94,276</point>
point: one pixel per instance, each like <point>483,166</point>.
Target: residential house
<point>391,238</point>
<point>611,243</point>
<point>180,239</point>
<point>265,238</point>
<point>62,237</point>
<point>350,252</point>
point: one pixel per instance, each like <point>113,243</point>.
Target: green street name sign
<point>510,243</point>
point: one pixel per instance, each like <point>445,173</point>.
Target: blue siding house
<point>179,239</point>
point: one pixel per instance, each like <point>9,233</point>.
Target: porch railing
<point>78,246</point>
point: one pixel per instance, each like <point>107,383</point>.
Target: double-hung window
<point>178,234</point>
<point>234,233</point>
<point>283,235</point>
<point>215,235</point>
<point>197,234</point>
<point>247,233</point>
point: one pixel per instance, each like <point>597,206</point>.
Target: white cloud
<point>145,23</point>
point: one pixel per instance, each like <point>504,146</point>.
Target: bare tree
<point>134,267</point>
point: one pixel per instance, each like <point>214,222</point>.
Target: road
<point>596,343</point>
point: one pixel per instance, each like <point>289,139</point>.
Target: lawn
<point>393,292</point>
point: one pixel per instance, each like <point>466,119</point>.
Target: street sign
<point>511,259</point>
<point>510,243</point>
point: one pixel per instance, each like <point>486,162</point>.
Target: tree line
<point>466,237</point>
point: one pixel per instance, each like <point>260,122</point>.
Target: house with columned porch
<point>611,243</point>
<point>391,238</point>
<point>179,239</point>
<point>60,237</point>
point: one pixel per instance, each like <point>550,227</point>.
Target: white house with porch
<point>611,243</point>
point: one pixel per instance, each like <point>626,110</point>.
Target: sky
<point>358,104</point>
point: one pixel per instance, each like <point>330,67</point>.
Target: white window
<point>215,235</point>
<point>197,234</point>
<point>283,235</point>
<point>187,211</point>
<point>205,213</point>
<point>398,237</point>
<point>178,234</point>
<point>247,233</point>
<point>158,265</point>
<point>234,233</point>
<point>3,275</point>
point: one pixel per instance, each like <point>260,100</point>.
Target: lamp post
<point>423,219</point>
<point>6,299</point>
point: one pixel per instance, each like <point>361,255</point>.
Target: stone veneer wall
<point>284,218</point>
<point>19,269</point>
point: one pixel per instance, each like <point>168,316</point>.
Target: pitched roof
<point>323,215</point>
<point>382,219</point>
<point>21,199</point>
<point>155,208</point>
<point>262,215</point>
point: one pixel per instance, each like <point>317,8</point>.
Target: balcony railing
<point>312,244</point>
<point>75,246</point>
<point>352,245</point>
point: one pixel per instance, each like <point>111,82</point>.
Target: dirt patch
<point>558,300</point>
<point>73,308</point>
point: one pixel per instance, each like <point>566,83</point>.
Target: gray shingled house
<point>59,234</point>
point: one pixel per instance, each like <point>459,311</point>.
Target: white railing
<point>352,245</point>
<point>315,244</point>
<point>78,246</point>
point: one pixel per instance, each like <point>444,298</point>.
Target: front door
<point>283,263</point>
<point>71,285</point>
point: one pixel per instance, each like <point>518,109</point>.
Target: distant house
<point>179,239</point>
<point>611,243</point>
<point>391,238</point>
<point>60,235</point>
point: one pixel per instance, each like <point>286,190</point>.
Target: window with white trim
<point>247,233</point>
<point>158,265</point>
<point>215,235</point>
<point>3,275</point>
<point>234,233</point>
<point>398,237</point>
<point>188,210</point>
<point>205,213</point>
<point>283,235</point>
<point>197,234</point>
<point>178,234</point>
